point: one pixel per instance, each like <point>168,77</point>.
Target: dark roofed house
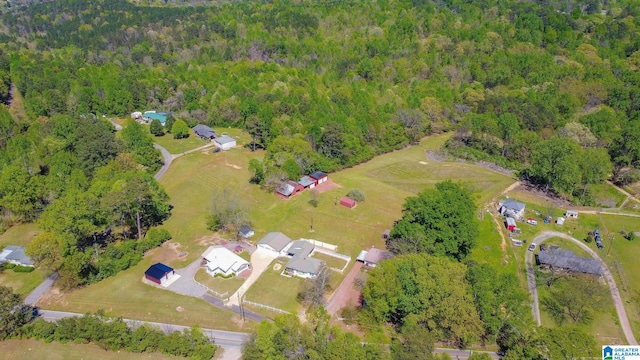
<point>307,182</point>
<point>15,255</point>
<point>373,256</point>
<point>565,259</point>
<point>204,132</point>
<point>319,177</point>
<point>275,242</point>
<point>159,273</point>
<point>347,202</point>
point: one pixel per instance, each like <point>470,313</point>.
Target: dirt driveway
<point>346,292</point>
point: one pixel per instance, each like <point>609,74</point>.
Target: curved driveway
<point>167,161</point>
<point>615,294</point>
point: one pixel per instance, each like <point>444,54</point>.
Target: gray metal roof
<point>567,260</point>
<point>286,189</point>
<point>511,221</point>
<point>15,254</point>
<point>224,139</point>
<point>204,131</point>
<point>513,205</point>
<point>307,265</point>
<point>276,240</point>
<point>375,255</point>
<point>300,248</point>
<point>306,181</point>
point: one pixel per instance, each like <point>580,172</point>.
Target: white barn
<point>225,142</point>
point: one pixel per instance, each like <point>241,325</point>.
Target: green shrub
<point>588,239</point>
<point>22,269</point>
<point>9,265</point>
<point>224,276</point>
<point>356,194</point>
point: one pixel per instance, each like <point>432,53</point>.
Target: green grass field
<point>606,195</point>
<point>275,290</point>
<point>178,146</point>
<point>21,283</point>
<point>331,261</point>
<point>126,295</point>
<point>488,249</point>
<point>19,235</point>
<point>36,349</point>
<point>219,284</point>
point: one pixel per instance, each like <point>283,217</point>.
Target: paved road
<point>615,293</point>
<point>230,341</point>
<point>37,293</point>
<point>167,161</point>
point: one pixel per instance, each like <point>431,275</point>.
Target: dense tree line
<point>349,79</point>
<point>86,188</point>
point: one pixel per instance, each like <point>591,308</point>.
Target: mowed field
<point>22,283</point>
<point>192,179</point>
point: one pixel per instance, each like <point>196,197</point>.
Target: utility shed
<point>349,203</point>
<point>565,259</point>
<point>225,142</point>
<point>159,273</point>
<point>510,223</point>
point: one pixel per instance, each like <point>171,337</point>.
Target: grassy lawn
<point>21,283</point>
<point>178,146</point>
<point>126,295</point>
<point>331,261</point>
<point>275,290</point>
<point>606,195</point>
<point>488,250</point>
<point>36,349</point>
<point>219,284</point>
<point>19,235</point>
<point>604,327</point>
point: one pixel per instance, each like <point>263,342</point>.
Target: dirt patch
<point>209,240</point>
<point>234,166</point>
<point>277,267</point>
<point>544,195</point>
<point>423,162</point>
<point>443,156</point>
<point>167,252</point>
<point>326,186</point>
<point>53,296</point>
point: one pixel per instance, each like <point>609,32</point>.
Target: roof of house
<point>204,130</point>
<point>219,257</point>
<point>305,181</point>
<point>317,175</point>
<point>157,271</point>
<point>572,212</point>
<point>15,253</point>
<point>307,265</point>
<point>511,221</point>
<point>567,260</point>
<point>513,205</point>
<point>375,255</point>
<point>225,139</point>
<point>286,189</point>
<point>276,240</point>
<point>300,248</point>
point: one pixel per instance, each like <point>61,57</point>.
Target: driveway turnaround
<point>260,261</point>
<point>615,293</point>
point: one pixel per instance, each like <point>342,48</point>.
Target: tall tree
<point>13,313</point>
<point>438,221</point>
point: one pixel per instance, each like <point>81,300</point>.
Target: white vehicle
<point>532,246</point>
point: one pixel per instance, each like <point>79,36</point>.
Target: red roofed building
<point>346,202</point>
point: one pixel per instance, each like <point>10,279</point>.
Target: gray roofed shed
<point>566,259</point>
<point>225,139</point>
<point>276,240</point>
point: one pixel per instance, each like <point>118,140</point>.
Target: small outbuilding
<point>222,261</point>
<point>373,256</point>
<point>319,177</point>
<point>386,233</point>
<point>225,142</point>
<point>204,132</point>
<point>288,189</point>
<point>15,255</point>
<point>347,202</point>
<point>276,242</point>
<point>246,231</point>
<point>307,182</point>
<point>510,223</point>
<point>159,273</point>
<point>560,221</point>
<point>571,214</point>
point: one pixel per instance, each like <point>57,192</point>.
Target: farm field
<point>36,349</point>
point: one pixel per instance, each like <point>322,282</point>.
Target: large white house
<point>220,260</point>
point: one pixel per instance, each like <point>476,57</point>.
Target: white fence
<point>265,306</point>
<point>223,296</point>
<point>336,255</point>
<point>322,244</point>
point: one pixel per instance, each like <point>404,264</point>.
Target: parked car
<point>532,221</point>
<point>216,150</point>
<point>543,247</point>
<point>532,246</point>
